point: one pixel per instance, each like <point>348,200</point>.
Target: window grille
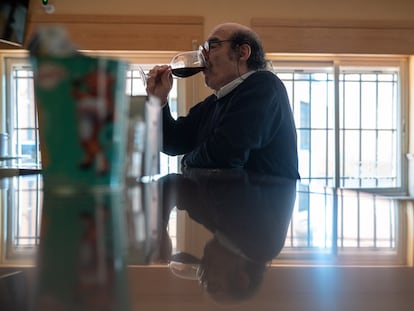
<point>334,225</point>
<point>23,201</point>
<point>348,123</point>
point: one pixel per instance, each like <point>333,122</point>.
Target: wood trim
<point>115,19</point>
<point>284,288</point>
<point>126,33</point>
<point>329,36</point>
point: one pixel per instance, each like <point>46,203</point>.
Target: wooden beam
<point>128,33</point>
<point>332,36</point>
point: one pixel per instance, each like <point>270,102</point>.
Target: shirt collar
<point>232,85</point>
<point>229,245</point>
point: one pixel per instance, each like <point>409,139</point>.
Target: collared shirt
<point>232,85</point>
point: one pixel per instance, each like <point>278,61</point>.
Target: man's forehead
<point>223,31</point>
<point>219,34</point>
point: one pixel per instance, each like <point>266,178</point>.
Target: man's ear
<point>244,51</point>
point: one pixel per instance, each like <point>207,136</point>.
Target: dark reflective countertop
<point>208,238</point>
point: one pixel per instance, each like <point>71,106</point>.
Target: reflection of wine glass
<point>183,65</point>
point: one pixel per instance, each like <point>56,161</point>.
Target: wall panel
<point>133,33</point>
<point>329,36</point>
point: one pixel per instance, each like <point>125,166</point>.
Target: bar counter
<point>202,240</point>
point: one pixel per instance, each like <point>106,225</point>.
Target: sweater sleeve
<point>180,136</point>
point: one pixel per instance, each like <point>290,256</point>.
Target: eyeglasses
<point>207,45</point>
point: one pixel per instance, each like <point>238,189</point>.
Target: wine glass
<point>183,65</point>
<point>187,64</point>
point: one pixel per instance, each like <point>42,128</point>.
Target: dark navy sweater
<point>252,128</point>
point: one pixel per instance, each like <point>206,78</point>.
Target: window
<point>344,227</point>
<point>21,114</point>
<point>21,219</point>
<point>368,127</point>
<point>135,87</point>
<point>22,200</point>
<point>348,115</point>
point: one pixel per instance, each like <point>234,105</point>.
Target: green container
<point>83,118</point>
<point>82,253</point>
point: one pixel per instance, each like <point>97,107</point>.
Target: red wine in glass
<point>187,64</point>
<point>183,65</point>
<point>186,71</point>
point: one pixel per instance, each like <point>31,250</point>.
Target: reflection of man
<point>248,214</point>
<point>227,274</point>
